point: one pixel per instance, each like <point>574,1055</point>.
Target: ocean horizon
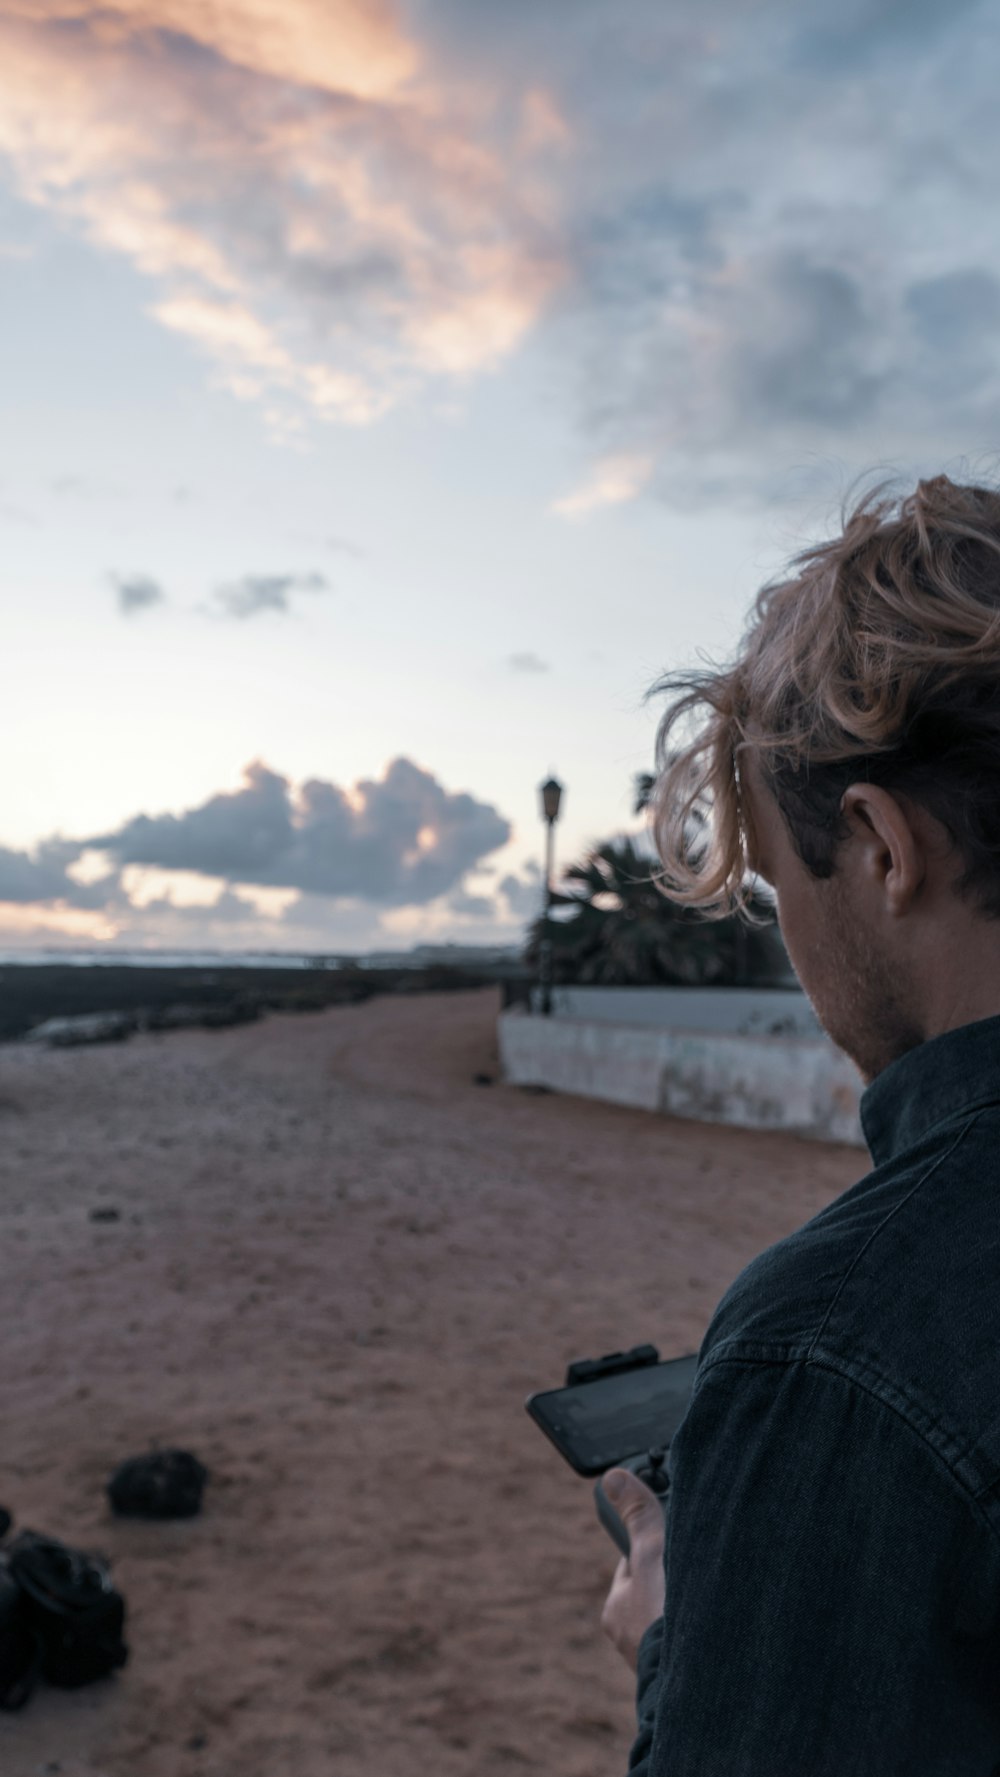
<point>172,959</point>
<point>419,956</point>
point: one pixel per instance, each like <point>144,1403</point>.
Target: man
<point>826,1599</point>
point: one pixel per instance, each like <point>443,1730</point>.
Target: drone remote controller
<point>618,1411</point>
<point>651,1468</point>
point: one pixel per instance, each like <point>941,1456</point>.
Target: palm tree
<point>623,932</point>
<point>642,790</point>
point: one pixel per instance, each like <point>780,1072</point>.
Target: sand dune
<point>339,1268</point>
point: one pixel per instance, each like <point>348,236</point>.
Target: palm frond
<point>616,928</point>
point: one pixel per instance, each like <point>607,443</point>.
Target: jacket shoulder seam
<point>873,1236</point>
<point>764,1356</point>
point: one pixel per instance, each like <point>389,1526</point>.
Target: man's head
<point>851,757</point>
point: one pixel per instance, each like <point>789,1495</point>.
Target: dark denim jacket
<point>833,1536</point>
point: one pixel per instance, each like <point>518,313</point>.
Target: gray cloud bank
<point>401,840</point>
<point>778,228</point>
<point>830,288</point>
<point>27,878</point>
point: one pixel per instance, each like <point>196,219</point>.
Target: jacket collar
<point>944,1078</point>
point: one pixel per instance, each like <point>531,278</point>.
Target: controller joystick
<point>654,1472</point>
<point>651,1468</point>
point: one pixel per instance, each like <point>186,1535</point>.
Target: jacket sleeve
<point>647,1683</point>
<point>826,1582</point>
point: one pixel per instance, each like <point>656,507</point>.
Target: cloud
<point>611,482</point>
<point>526,662</point>
<point>745,308</point>
<point>469,906</point>
<point>265,592</point>
<point>795,342</point>
<point>137,592</point>
<point>861,31</point>
<point>402,840</point>
<point>320,214</point>
<point>229,908</point>
<point>523,896</point>
<point>950,308</point>
<point>734,238</point>
<point>43,876</point>
<point>952,316</point>
<point>279,861</point>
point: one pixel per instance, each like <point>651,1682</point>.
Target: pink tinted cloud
<point>323,220</point>
<point>349,46</point>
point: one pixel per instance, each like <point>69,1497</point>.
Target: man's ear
<point>891,842</point>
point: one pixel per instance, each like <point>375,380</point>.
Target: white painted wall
<point>748,1011</point>
<point>802,1084</point>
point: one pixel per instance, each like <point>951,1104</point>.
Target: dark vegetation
<point>31,993</point>
<point>610,926</point>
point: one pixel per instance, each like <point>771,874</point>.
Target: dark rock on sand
<point>163,1484</point>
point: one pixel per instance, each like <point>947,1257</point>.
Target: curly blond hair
<point>878,659</point>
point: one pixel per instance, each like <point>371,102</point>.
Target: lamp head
<point>551,794</point>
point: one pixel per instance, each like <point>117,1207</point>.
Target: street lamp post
<point>551,795</point>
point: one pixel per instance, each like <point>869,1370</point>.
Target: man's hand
<point>636,1596</point>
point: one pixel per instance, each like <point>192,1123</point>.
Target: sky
<point>393,391</point>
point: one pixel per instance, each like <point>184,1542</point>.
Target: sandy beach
<point>339,1267</point>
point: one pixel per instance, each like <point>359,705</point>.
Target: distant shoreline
<point>31,992</point>
<point>420,956</point>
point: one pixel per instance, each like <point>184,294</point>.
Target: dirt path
<point>339,1268</point>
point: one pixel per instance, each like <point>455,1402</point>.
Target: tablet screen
<point>596,1424</point>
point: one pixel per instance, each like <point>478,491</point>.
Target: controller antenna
<point>658,1478</point>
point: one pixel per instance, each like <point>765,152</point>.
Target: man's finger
<point>620,1577</point>
<point>638,1507</point>
<point>618,1587</point>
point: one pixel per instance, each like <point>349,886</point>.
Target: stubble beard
<point>864,1006</point>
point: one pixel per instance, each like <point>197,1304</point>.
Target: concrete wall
<point>799,1083</point>
<point>747,1011</point>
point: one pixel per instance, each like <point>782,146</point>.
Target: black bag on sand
<point>165,1484</point>
<point>20,1651</point>
<point>72,1608</point>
